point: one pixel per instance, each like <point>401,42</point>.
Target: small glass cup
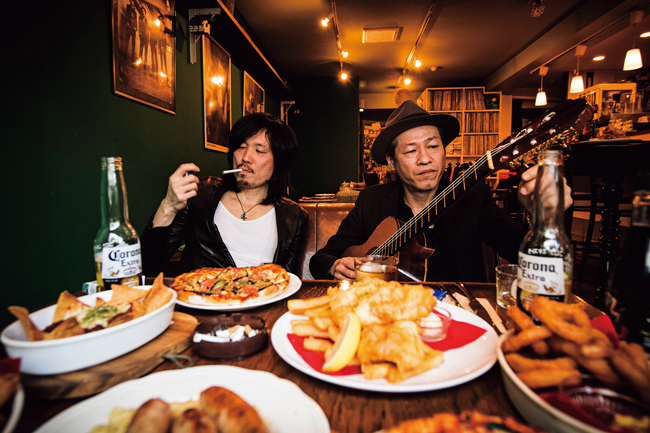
<point>506,276</point>
<point>434,327</point>
<point>382,267</point>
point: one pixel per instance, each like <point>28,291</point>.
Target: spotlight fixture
<point>540,100</point>
<point>633,56</point>
<point>325,21</point>
<point>577,84</point>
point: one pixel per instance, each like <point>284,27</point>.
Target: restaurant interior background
<point>60,114</point>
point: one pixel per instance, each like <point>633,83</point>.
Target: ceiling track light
<point>415,45</point>
<point>540,99</point>
<point>633,56</point>
<point>577,83</point>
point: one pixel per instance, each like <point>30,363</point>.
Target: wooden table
<point>348,410</point>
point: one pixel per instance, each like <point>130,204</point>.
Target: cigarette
<point>236,170</point>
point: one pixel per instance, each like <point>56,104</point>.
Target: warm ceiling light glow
<point>644,35</point>
<point>418,63</point>
<point>577,84</point>
<point>157,22</point>
<point>598,58</point>
<point>407,81</point>
<point>633,60</point>
<point>344,54</point>
<point>218,80</point>
<point>344,76</point>
<point>324,22</point>
<point>540,100</point>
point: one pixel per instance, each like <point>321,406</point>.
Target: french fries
<point>320,329</point>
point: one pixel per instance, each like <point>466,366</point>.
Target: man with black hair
<point>242,219</point>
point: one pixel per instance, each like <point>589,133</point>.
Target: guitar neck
<point>476,173</point>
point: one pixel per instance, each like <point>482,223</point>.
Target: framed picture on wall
<point>144,55</point>
<point>253,96</point>
<point>216,95</point>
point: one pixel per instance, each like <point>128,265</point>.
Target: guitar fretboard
<point>477,172</point>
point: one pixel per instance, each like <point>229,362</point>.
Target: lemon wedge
<point>346,344</point>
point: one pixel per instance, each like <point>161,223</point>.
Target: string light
<point>407,81</point>
<point>344,76</point>
<point>418,63</point>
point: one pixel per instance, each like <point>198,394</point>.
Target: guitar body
<point>412,257</point>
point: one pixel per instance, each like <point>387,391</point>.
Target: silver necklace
<point>243,216</point>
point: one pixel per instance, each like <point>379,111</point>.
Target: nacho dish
<point>73,317</point>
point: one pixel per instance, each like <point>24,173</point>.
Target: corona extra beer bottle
<point>117,246</point>
<point>546,253</point>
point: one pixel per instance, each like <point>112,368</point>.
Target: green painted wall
<point>60,116</point>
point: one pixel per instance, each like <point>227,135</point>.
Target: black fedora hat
<point>407,116</point>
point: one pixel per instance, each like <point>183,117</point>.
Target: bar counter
<point>348,410</point>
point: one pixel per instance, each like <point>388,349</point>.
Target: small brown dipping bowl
<point>247,346</point>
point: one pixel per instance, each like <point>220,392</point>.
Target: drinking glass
<point>382,267</point>
<point>506,276</point>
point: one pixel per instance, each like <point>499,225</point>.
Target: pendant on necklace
<point>243,216</point>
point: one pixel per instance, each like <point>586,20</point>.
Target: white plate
<point>280,403</point>
<point>74,353</point>
<point>460,365</point>
<point>294,286</point>
<point>16,410</point>
<point>535,410</point>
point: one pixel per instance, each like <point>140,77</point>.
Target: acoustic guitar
<point>405,239</point>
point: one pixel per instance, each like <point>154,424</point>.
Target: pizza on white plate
<point>231,286</point>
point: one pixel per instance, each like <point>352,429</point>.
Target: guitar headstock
<point>552,129</point>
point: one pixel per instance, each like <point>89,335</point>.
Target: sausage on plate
<point>230,413</point>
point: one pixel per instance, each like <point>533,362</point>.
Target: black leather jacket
<point>204,246</point>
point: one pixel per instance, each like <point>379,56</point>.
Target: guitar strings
<point>383,249</point>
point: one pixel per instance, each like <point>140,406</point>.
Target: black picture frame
<point>216,95</point>
<point>144,54</point>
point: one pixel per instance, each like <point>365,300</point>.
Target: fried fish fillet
<point>398,343</point>
<point>381,302</point>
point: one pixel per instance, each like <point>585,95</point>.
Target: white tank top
<point>250,243</point>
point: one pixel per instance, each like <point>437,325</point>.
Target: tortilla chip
<point>66,328</point>
<point>66,304</point>
<point>125,295</point>
<point>33,333</point>
<point>99,302</point>
<point>157,296</point>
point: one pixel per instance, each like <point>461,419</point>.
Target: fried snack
<point>536,379</point>
<point>304,328</point>
<point>65,328</point>
<point>157,296</point>
<point>521,363</point>
<point>33,333</point>
<point>566,320</point>
<point>298,306</point>
<point>66,305</point>
<point>623,360</point>
<point>599,367</point>
<point>333,332</point>
<point>378,302</point>
<point>523,321</point>
<point>322,322</point>
<point>598,346</point>
<point>525,338</point>
<point>375,370</point>
<point>322,311</point>
<point>467,422</point>
<point>125,295</point>
<point>316,344</point>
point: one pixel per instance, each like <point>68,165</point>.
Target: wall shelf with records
<point>478,112</point>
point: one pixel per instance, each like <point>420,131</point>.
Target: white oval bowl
<point>81,351</point>
<point>535,410</point>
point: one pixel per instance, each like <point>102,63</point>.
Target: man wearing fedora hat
<point>413,145</point>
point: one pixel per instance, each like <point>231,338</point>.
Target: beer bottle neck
<point>114,203</point>
<point>548,201</point>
